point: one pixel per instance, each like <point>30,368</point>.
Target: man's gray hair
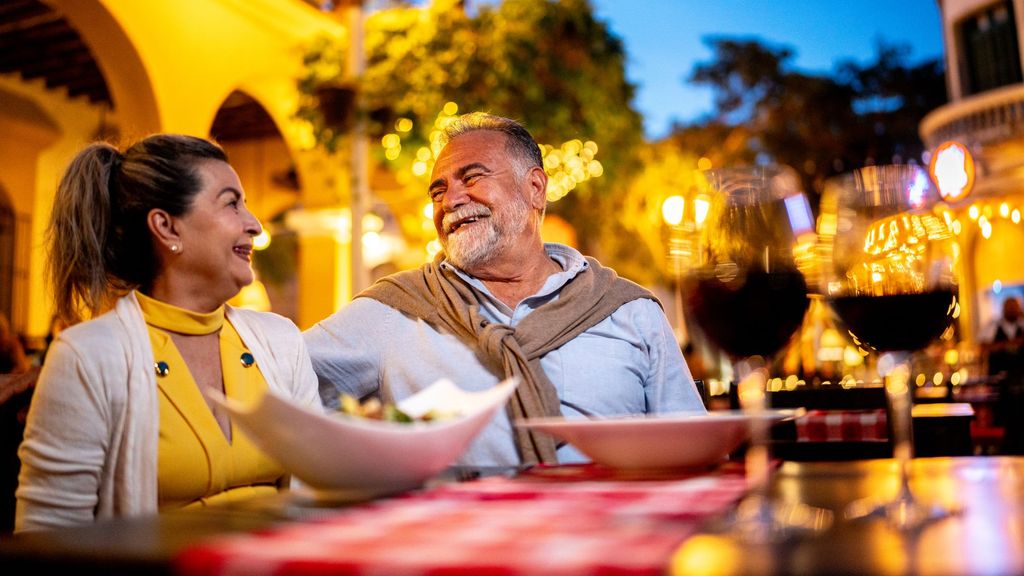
<point>521,146</point>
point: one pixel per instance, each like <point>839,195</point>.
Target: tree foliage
<point>549,64</point>
<point>819,124</point>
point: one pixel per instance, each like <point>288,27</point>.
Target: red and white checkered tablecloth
<point>842,426</point>
<point>567,520</point>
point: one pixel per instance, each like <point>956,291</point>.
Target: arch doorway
<point>264,163</point>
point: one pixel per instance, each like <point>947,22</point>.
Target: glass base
<point>904,513</point>
<point>761,520</point>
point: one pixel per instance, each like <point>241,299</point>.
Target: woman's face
<point>216,236</point>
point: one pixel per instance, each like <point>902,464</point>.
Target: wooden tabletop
<point>986,538</point>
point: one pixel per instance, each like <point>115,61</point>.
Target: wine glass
<point>745,286</point>
<point>888,274</point>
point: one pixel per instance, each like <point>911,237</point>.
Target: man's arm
<point>669,386</point>
<point>345,350</point>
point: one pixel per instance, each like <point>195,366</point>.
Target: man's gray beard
<point>472,248</point>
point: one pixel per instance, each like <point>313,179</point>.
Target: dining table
<point>566,520</point>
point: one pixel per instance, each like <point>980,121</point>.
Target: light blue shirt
<point>629,363</point>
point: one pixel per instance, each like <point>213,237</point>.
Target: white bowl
<point>345,457</point>
<point>656,442</point>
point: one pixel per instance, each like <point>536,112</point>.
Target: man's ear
<point>537,187</point>
<point>164,229</point>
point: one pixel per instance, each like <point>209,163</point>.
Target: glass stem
<point>895,368</point>
<point>753,401</point>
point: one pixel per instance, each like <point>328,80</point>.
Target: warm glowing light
<point>703,164</point>
<point>954,378</point>
<point>390,140</point>
<point>952,169</point>
<point>951,356</point>
<point>700,209</point>
<point>419,168</point>
<point>1015,216</point>
<point>261,240</point>
<point>372,240</point>
<point>433,247</point>
<point>973,212</point>
<point>373,222</point>
<point>569,165</point>
<point>451,108</point>
<point>672,210</point>
<point>852,356</point>
<point>827,224</point>
<point>1004,209</point>
<point>920,380</point>
<point>986,227</point>
<point>428,211</point>
<point>403,125</point>
<point>699,552</point>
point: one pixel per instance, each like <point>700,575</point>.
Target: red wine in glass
<point>897,322</point>
<point>753,314</point>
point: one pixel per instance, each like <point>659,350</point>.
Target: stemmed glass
<point>888,274</point>
<point>745,286</point>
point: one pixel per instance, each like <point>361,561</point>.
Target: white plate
<point>344,457</point>
<point>668,441</point>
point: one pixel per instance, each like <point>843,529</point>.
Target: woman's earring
<point>175,248</point>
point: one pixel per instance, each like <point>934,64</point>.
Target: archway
<point>264,163</point>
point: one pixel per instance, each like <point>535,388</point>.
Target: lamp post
<point>672,210</point>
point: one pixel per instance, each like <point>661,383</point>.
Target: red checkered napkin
<point>498,526</point>
<point>842,426</point>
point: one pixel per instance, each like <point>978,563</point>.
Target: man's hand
<point>13,384</point>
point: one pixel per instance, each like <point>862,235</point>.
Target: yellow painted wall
<point>169,65</point>
<point>38,148</point>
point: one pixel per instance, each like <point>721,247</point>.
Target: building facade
<point>73,71</point>
<point>985,113</point>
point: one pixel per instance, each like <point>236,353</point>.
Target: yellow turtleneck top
<point>196,464</point>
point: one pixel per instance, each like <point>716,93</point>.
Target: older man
<point>500,302</point>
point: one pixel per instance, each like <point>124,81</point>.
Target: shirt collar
<point>571,261</point>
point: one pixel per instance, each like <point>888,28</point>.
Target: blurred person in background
<point>15,394</point>
<point>1003,343</point>
<point>12,354</point>
<point>1003,337</point>
<point>150,243</point>
<point>498,302</point>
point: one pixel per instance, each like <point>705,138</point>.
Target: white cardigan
<point>90,447</point>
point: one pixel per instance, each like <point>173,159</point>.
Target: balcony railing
<point>986,118</point>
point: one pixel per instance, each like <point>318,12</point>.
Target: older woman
<point>158,237</point>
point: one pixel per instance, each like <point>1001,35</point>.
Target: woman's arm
<point>66,443</point>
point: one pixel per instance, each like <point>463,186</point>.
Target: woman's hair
<point>99,241</point>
